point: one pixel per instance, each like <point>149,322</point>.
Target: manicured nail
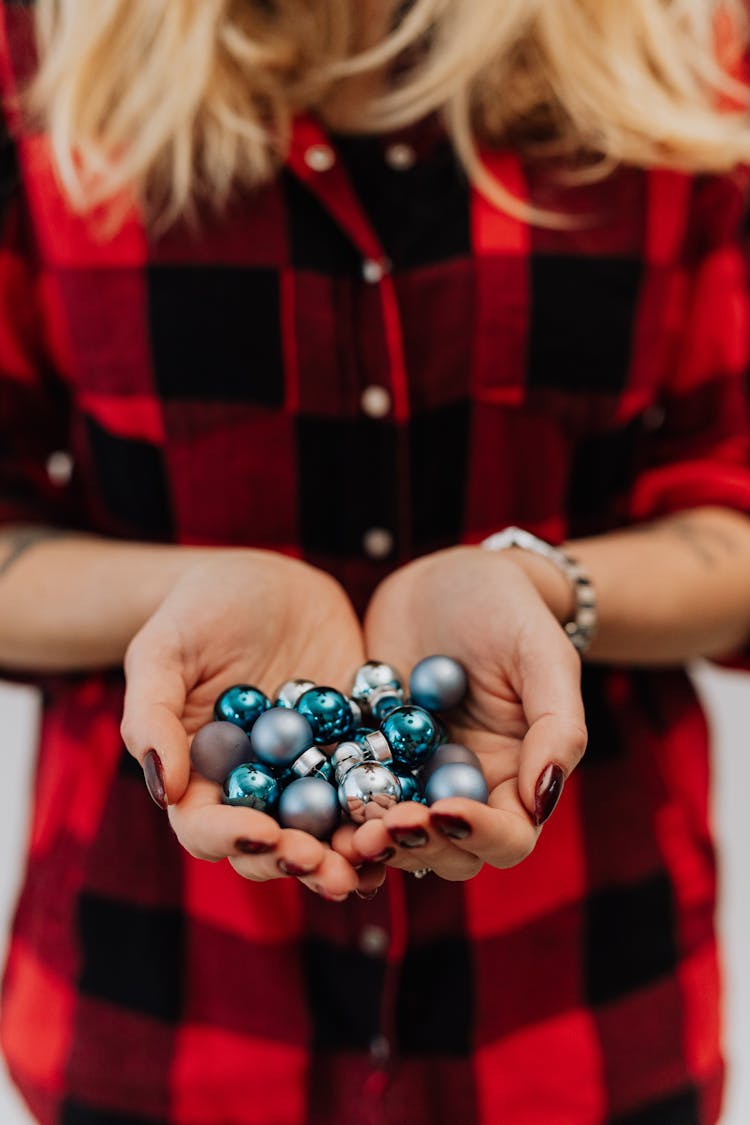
<point>454,827</point>
<point>547,793</point>
<point>384,856</point>
<point>292,868</point>
<point>153,772</point>
<point>252,847</point>
<point>408,837</point>
<point>367,896</point>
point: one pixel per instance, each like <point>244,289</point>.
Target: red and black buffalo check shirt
<point>369,328</point>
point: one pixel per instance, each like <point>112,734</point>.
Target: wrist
<point>555,589</point>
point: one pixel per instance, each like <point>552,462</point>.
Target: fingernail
<point>547,793</point>
<point>384,856</point>
<point>454,827</point>
<point>252,847</point>
<point>292,868</point>
<point>367,896</point>
<point>408,837</point>
<point>153,772</point>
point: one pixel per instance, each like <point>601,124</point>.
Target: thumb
<point>151,725</point>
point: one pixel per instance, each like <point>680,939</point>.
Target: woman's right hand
<point>239,616</point>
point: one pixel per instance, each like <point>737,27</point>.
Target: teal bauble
<point>411,790</point>
<point>412,735</point>
<point>253,786</point>
<point>242,705</point>
<point>328,713</point>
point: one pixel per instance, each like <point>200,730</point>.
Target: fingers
<point>406,839</point>
<point>154,702</point>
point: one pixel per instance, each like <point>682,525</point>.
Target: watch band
<point>581,629</point>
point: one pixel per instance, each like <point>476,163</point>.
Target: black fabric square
<point>345,991</point>
<point>680,1109</point>
<point>435,1003</point>
<point>318,243</point>
<point>76,1113</point>
<point>131,955</point>
<point>605,734</point>
<point>629,938</point>
<point>603,468</point>
<point>421,215</point>
<point>216,333</point>
<point>132,482</point>
<point>347,482</point>
<point>439,461</point>
<point>582,315</point>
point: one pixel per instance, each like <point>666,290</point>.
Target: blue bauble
<point>328,713</point>
<point>217,748</point>
<point>361,734</point>
<point>382,705</point>
<point>252,785</point>
<point>449,752</point>
<point>311,805</point>
<point>241,705</point>
<point>456,779</point>
<point>280,736</point>
<point>412,734</point>
<point>411,790</point>
<point>438,683</point>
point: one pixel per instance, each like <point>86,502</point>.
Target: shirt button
<point>375,402</point>
<point>653,416</point>
<point>375,269</point>
<point>400,157</point>
<point>320,158</point>
<point>380,1050</point>
<point>373,941</point>
<point>378,542</point>
<point>60,467</point>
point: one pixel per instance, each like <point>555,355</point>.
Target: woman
<point>316,297</point>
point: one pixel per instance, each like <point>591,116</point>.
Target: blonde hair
<point>181,101</point>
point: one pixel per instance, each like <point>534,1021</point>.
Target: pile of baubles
<point>315,753</point>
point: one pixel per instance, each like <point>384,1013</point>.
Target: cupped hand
<point>241,616</point>
<point>523,714</point>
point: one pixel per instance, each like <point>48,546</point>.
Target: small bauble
<point>374,676</point>
<point>383,701</point>
<point>411,790</point>
<point>367,791</point>
<point>356,710</point>
<point>438,683</point>
<point>217,748</point>
<point>456,779</point>
<point>241,704</point>
<point>291,690</point>
<point>313,763</point>
<point>450,752</point>
<point>311,805</point>
<point>328,713</point>
<point>361,733</point>
<point>280,736</point>
<point>412,734</point>
<point>346,755</point>
<point>252,785</point>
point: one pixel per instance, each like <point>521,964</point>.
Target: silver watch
<point>582,628</point>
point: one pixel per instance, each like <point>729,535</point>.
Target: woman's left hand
<point>523,714</point>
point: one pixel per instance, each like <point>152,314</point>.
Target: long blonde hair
<point>183,100</point>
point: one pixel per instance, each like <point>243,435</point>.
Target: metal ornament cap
<point>217,748</point>
<point>376,748</point>
<point>253,786</point>
<point>412,734</point>
<point>311,805</point>
<point>367,791</point>
<point>280,736</point>
<point>241,704</point>
<point>456,779</point>
<point>375,675</point>
<point>291,690</point>
<point>449,752</point>
<point>328,713</point>
<point>438,683</point>
<point>313,763</point>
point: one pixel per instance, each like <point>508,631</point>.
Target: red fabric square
<point>36,1025</point>
<point>258,912</point>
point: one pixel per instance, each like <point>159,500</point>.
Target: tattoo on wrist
<point>23,539</point>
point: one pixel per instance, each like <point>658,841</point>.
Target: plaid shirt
<point>370,328</point>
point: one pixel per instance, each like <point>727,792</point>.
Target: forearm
<point>667,592</point>
<point>74,602</point>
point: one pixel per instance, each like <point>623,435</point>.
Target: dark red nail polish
<point>384,856</point>
<point>252,847</point>
<point>547,794</point>
<point>408,837</point>
<point>292,869</point>
<point>153,772</point>
<point>367,896</point>
<point>454,827</point>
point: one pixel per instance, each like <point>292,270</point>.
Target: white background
<point>727,698</point>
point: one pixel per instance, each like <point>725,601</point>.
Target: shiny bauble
<point>367,791</point>
<point>252,785</point>
<point>280,736</point>
<point>328,713</point>
<point>313,763</point>
<point>374,676</point>
<point>242,705</point>
<point>450,752</point>
<point>438,683</point>
<point>291,690</point>
<point>411,790</point>
<point>456,779</point>
<point>412,734</point>
<point>217,748</point>
<point>383,701</point>
<point>311,805</point>
<point>361,733</point>
<point>356,710</point>
<point>346,755</point>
